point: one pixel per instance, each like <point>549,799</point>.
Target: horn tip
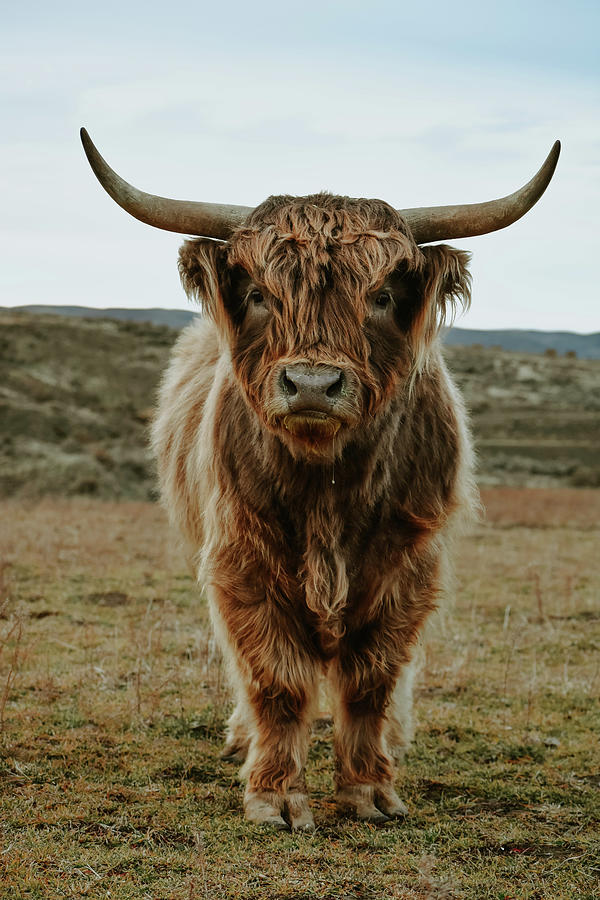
<point>552,160</point>
<point>87,142</point>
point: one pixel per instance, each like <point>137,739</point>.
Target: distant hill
<point>77,395</point>
<point>174,318</point>
<point>586,346</point>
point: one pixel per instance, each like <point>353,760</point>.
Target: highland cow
<point>314,453</point>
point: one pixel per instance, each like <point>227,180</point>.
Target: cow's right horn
<point>442,223</point>
<point>183,216</point>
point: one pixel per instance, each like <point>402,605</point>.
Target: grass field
<point>112,704</point>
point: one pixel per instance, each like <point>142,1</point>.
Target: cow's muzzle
<point>312,389</point>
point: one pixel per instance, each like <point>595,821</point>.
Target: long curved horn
<point>441,223</point>
<point>184,216</point>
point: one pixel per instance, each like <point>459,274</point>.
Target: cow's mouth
<point>312,426</point>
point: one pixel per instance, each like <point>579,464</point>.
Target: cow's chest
<point>346,562</point>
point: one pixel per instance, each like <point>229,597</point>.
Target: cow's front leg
<point>364,770</point>
<point>276,789</point>
<point>276,675</point>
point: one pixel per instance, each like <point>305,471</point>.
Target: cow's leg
<point>274,671</point>
<point>240,724</point>
<point>276,787</point>
<point>364,770</point>
<point>399,730</point>
<point>239,729</point>
<point>372,707</point>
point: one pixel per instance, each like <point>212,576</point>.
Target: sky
<point>417,104</point>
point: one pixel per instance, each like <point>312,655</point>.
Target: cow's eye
<point>384,300</point>
<point>255,297</point>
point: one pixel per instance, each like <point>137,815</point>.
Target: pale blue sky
<point>417,104</point>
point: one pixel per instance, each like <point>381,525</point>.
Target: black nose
<point>312,387</point>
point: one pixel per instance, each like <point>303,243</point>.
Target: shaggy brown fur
<point>320,539</point>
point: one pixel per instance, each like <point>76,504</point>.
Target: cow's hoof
<point>276,823</point>
<point>265,808</point>
<point>234,756</point>
<point>388,801</point>
<point>234,751</point>
<point>298,812</point>
<point>280,811</point>
<point>370,803</point>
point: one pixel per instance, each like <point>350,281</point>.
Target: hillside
<point>585,346</point>
<point>76,397</point>
<point>536,418</point>
<point>75,401</point>
<point>174,318</point>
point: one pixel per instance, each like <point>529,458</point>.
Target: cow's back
<point>177,428</point>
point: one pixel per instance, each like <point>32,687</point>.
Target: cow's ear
<point>205,277</point>
<point>446,288</point>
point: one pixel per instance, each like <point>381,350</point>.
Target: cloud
<point>232,106</point>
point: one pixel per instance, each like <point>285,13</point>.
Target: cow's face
<point>328,307</point>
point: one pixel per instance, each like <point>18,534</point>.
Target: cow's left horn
<point>184,216</point>
<point>442,223</point>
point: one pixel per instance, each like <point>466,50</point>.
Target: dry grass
<point>110,785</point>
<point>542,508</point>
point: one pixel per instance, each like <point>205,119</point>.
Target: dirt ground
<point>113,701</point>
